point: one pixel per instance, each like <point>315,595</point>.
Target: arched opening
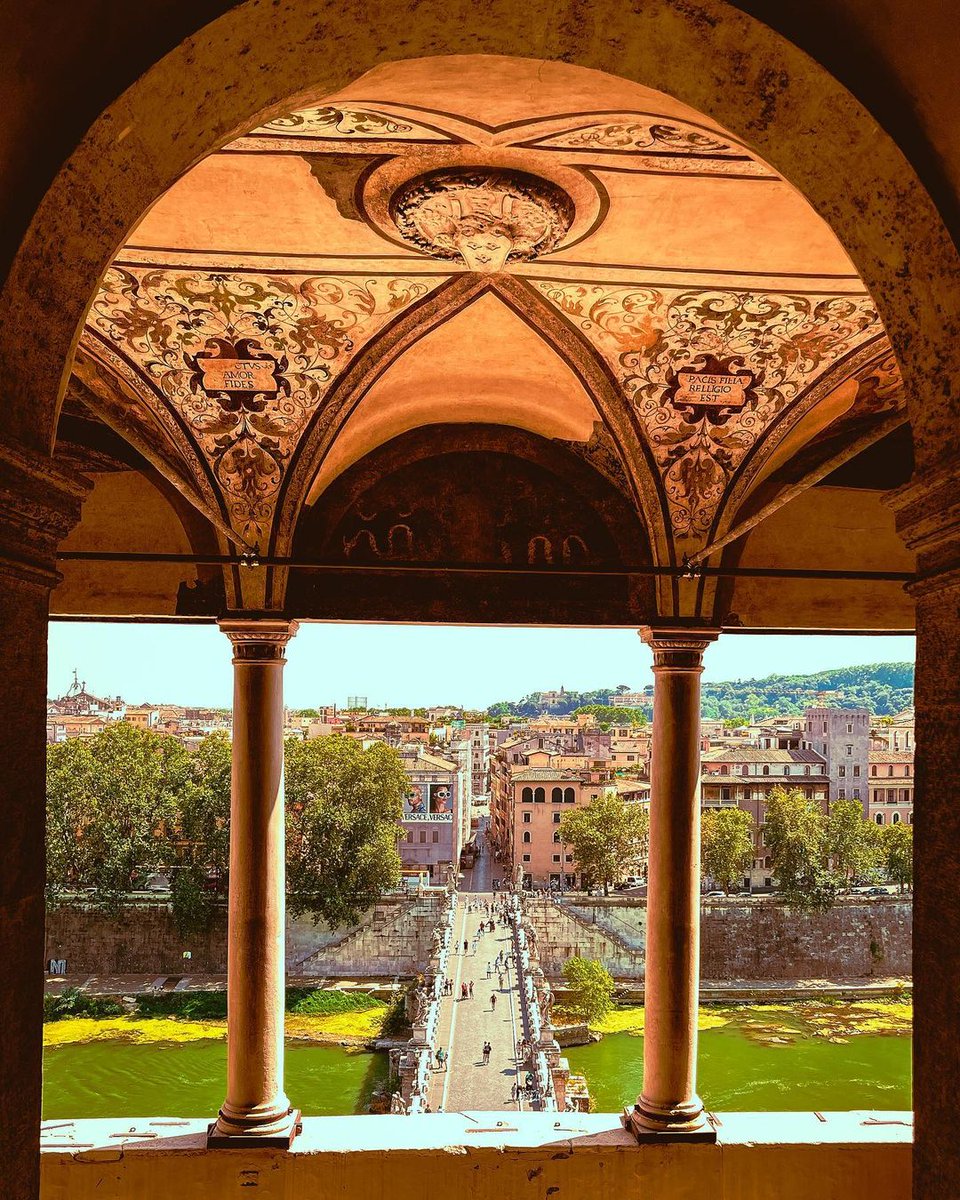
<point>689,483</point>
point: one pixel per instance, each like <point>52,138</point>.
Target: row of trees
<point>128,803</point>
<point>813,855</point>
<point>882,688</point>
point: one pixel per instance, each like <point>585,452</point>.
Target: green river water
<point>737,1073</point>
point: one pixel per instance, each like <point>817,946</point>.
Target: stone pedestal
<point>256,1110</point>
<point>669,1105</point>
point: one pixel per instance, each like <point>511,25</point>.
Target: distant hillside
<point>883,688</point>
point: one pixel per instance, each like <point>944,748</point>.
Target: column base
<point>693,1127</point>
<point>223,1135</point>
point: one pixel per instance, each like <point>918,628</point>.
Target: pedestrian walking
<point>463,991</point>
<point>493,1001</point>
<point>486,1053</point>
<point>471,989</point>
<point>464,945</point>
<point>489,970</point>
<point>439,1057</point>
<point>500,980</point>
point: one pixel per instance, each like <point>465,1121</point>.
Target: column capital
<point>40,501</point>
<point>258,640</point>
<point>678,647</point>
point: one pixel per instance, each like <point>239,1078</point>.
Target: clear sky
<point>416,664</point>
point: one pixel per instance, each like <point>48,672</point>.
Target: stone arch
<point>561,336</point>
<point>712,56</point>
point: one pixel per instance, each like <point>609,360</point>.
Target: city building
<point>479,735</point>
<point>534,780</point>
<point>891,787</point>
<point>743,777</point>
<point>842,737</point>
<point>432,814</point>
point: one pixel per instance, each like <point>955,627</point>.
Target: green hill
<point>883,688</point>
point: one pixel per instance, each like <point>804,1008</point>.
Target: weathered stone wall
<point>752,939</point>
<point>142,940</point>
<point>394,937</point>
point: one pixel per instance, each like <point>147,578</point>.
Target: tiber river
<point>758,1059</point>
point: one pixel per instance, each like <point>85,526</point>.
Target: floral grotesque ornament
<point>484,217</point>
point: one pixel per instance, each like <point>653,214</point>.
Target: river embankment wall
<point>752,939</point>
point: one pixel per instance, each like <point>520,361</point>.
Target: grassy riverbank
<point>837,1021</point>
<point>320,1016</point>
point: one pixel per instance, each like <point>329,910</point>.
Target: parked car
<point>715,895</point>
<point>631,881</point>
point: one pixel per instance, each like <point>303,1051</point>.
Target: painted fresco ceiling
<point>494,241</point>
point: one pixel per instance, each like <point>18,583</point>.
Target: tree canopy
<point>852,843</point>
<point>896,843</point>
<point>612,714</point>
<point>726,845</point>
<point>882,688</point>
<point>128,802</point>
<point>590,984</point>
<point>344,805</point>
<point>112,804</point>
<point>795,830</point>
<point>608,836</point>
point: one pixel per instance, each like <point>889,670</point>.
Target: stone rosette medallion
<point>484,217</point>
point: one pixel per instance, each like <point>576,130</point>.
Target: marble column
<point>668,1103</point>
<point>256,1109</point>
<point>39,504</point>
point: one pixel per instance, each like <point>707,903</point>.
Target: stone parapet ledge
<point>489,1155</point>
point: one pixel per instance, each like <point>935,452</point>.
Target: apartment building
<point>432,820</point>
<point>891,787</point>
<point>743,776</point>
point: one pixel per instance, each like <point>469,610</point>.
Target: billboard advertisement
<point>441,800</point>
<point>428,802</point>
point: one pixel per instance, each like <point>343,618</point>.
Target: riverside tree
<point>726,845</point>
<point>112,801</point>
<point>201,836</point>
<point>590,985</point>
<point>795,830</point>
<point>852,842</point>
<point>609,837</point>
<point>344,805</point>
<point>897,846</point>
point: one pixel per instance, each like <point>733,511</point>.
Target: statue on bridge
<point>518,877</point>
<point>418,1006</point>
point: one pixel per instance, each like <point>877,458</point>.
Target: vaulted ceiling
<point>669,309</point>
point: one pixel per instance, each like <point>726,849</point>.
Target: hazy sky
<point>416,664</point>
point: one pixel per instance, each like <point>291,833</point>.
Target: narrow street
<point>493,1014</point>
